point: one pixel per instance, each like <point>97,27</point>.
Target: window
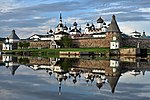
<point>114,38</point>
<point>113,45</point>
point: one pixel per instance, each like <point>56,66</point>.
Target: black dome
<point>65,27</point>
<point>75,24</point>
<point>100,20</point>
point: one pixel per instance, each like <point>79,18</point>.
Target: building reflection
<point>92,71</point>
<point>11,63</point>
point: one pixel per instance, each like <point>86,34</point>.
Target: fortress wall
<point>136,65</point>
<point>128,51</point>
<point>96,42</point>
<point>39,61</point>
<point>81,43</point>
<point>132,42</point>
<point>93,42</point>
<point>39,44</point>
<point>97,64</point>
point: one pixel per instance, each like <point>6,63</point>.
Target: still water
<point>37,78</point>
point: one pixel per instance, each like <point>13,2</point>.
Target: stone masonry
<point>91,42</point>
<point>39,44</point>
<point>133,42</point>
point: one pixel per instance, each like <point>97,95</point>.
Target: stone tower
<point>113,31</point>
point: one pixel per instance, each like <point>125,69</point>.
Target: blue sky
<point>38,16</point>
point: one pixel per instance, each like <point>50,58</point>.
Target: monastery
<point>93,36</point>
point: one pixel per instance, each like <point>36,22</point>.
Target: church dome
<point>75,24</point>
<point>87,24</point>
<point>104,23</point>
<point>100,20</point>
<point>135,34</point>
<point>51,31</point>
<point>65,27</point>
<point>99,85</point>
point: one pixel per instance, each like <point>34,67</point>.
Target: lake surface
<point>85,78</point>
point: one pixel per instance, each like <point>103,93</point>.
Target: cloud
<point>23,14</point>
<point>7,5</point>
<point>25,28</point>
<point>118,7</point>
<point>27,12</point>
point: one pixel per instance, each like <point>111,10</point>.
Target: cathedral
<point>75,31</point>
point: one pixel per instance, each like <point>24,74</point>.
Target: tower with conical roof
<point>113,25</point>
<point>11,41</point>
<point>13,37</point>
<point>113,80</point>
<point>113,34</point>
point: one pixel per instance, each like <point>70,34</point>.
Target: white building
<point>135,34</point>
<point>61,27</point>
<point>61,30</point>
<point>101,35</point>
<point>11,41</point>
<point>59,35</point>
<point>10,62</point>
<point>100,22</point>
<point>37,37</point>
<point>114,44</point>
<point>114,64</point>
<point>91,29</point>
<point>75,29</point>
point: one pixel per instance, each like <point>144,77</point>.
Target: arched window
<point>114,38</point>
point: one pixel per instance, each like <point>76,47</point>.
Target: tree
<point>66,42</point>
<point>26,44</point>
<point>20,45</point>
<point>24,60</point>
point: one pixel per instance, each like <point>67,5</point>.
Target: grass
<point>101,50</point>
<point>55,52</point>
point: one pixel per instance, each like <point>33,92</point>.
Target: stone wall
<point>136,65</point>
<point>39,61</point>
<point>128,51</point>
<point>82,43</point>
<point>39,44</point>
<point>133,42</point>
<point>91,42</point>
<point>97,64</point>
<point>96,42</point>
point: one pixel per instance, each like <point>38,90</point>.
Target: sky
<point>39,16</point>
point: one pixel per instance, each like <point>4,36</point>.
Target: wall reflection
<point>98,71</point>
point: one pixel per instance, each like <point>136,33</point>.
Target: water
<point>36,78</point>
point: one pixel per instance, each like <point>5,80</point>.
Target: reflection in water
<point>94,70</point>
